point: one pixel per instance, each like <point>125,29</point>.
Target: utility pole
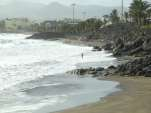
<point>84,15</point>
<point>122,12</point>
<point>73,6</point>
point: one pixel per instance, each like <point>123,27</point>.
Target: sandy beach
<point>134,98</point>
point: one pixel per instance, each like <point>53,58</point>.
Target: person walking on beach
<point>82,55</point>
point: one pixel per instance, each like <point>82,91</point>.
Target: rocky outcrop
<point>130,41</point>
<point>126,39</point>
<point>106,72</point>
<point>111,35</point>
<point>47,36</point>
<point>147,44</point>
<point>97,48</point>
<point>138,47</point>
<point>90,71</point>
<point>130,48</point>
<point>137,67</point>
<point>108,46</point>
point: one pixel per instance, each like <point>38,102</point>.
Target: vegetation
<point>89,25</point>
<point>114,17</point>
<point>126,16</point>
<point>15,25</point>
<point>139,11</point>
<point>2,25</point>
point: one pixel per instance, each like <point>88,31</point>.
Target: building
<point>50,26</point>
<point>17,24</point>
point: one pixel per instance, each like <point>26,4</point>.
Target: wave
<point>31,75</point>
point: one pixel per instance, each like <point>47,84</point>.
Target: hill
<point>54,10</point>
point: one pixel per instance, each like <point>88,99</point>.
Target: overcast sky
<point>86,2</point>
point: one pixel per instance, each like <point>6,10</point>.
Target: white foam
<point>24,60</point>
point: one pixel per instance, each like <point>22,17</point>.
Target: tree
<point>2,25</point>
<point>114,17</point>
<point>138,11</point>
<point>35,27</point>
<point>149,13</point>
<point>126,16</point>
<point>106,19</point>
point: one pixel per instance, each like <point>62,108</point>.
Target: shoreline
<point>134,98</point>
<point>28,89</point>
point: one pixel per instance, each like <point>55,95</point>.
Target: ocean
<point>33,75</point>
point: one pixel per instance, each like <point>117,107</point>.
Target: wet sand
<point>135,97</point>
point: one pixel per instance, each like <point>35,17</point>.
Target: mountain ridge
<point>54,10</point>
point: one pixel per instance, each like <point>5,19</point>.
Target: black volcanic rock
<point>47,36</point>
<point>140,67</point>
<point>97,48</point>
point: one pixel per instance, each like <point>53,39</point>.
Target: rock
<point>128,48</point>
<point>105,73</point>
<point>111,67</point>
<point>137,67</point>
<point>99,69</point>
<point>117,52</point>
<point>136,50</point>
<point>82,71</point>
<point>119,43</point>
<point>137,43</point>
<point>97,48</point>
<point>147,44</point>
<point>92,72</point>
<point>147,71</point>
<point>98,73</point>
<point>108,46</point>
<point>47,35</point>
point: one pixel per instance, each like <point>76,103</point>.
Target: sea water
<point>33,79</point>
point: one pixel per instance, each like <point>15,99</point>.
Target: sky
<point>83,2</point>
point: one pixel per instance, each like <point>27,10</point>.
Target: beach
<point>75,56</point>
<point>37,85</point>
<point>34,78</point>
<point>133,98</point>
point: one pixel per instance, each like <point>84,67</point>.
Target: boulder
<point>111,67</point>
<point>147,44</point>
<point>108,46</point>
<point>147,71</point>
<point>97,48</point>
<point>128,48</point>
<point>136,67</point>
<point>99,69</point>
<point>47,35</point>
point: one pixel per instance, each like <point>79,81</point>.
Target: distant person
<point>82,55</point>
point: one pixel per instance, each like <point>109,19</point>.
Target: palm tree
<point>138,11</point>
<point>106,19</point>
<point>126,16</point>
<point>114,16</point>
<point>149,13</point>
